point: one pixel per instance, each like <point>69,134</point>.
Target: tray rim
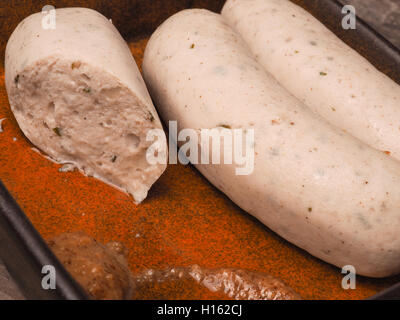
<point>24,253</point>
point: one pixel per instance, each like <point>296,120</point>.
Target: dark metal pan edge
<point>24,252</point>
<point>392,293</point>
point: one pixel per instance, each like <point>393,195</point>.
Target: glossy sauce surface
<point>195,283</point>
<point>102,270</point>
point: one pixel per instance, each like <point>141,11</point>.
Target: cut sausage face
<point>69,116</point>
<point>77,112</point>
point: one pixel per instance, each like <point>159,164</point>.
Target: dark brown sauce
<point>195,283</point>
<point>103,272</point>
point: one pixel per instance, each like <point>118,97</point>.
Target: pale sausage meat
<point>78,95</point>
<point>317,67</point>
<point>313,184</point>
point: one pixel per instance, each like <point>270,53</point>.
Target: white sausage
<point>316,186</point>
<point>320,69</point>
<point>78,95</point>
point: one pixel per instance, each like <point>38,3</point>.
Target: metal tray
<point>185,220</point>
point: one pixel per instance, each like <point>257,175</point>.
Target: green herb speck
<point>226,126</point>
<point>151,117</point>
<point>87,90</point>
<point>57,131</point>
<point>323,73</point>
<point>75,65</point>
